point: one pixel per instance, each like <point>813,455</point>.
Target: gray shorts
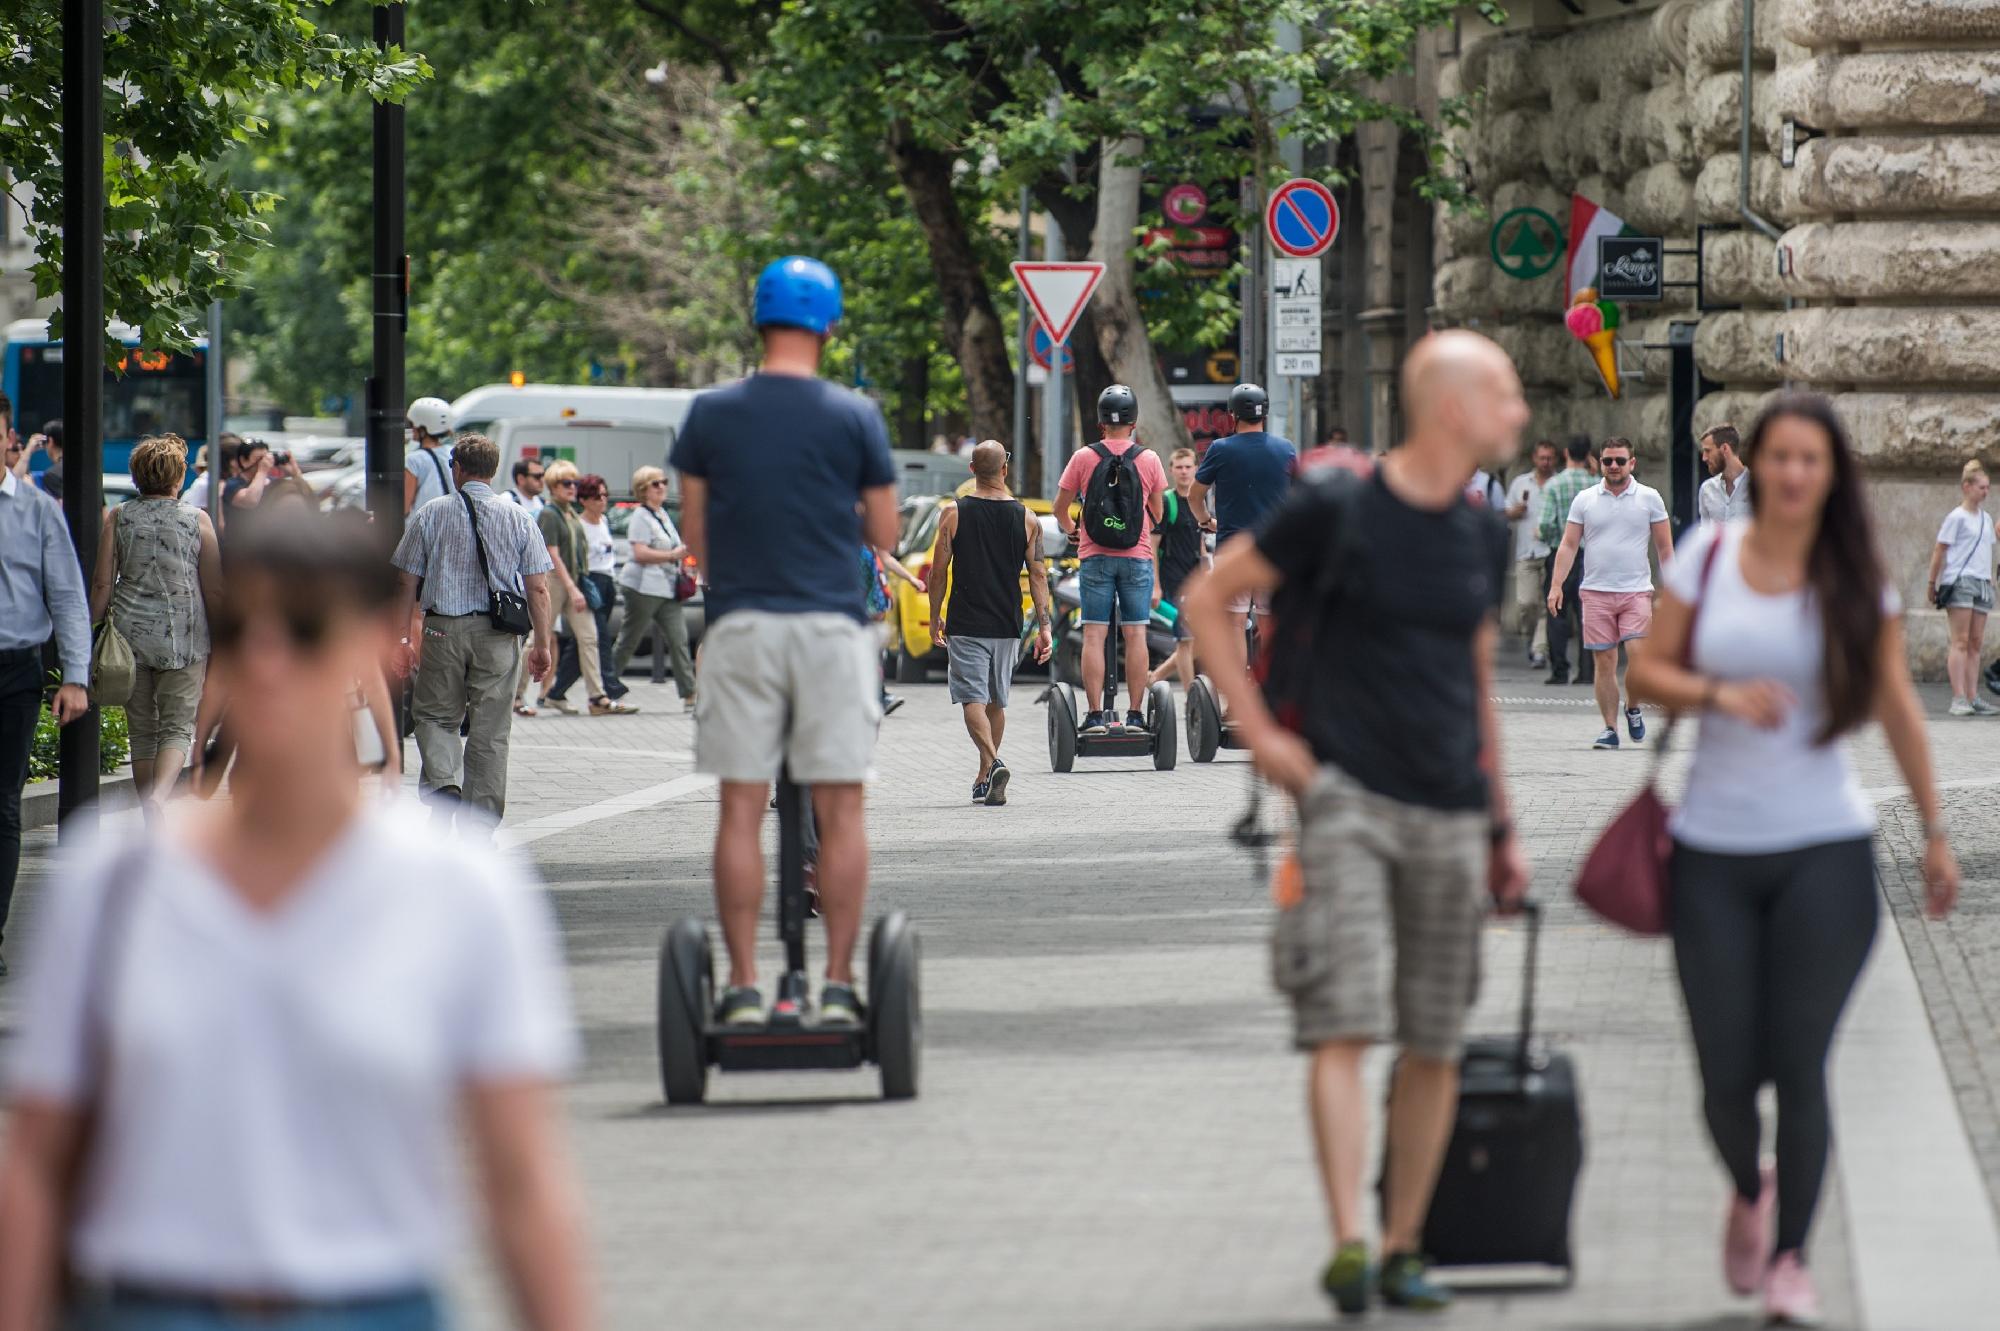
<point>1971,594</point>
<point>1373,869</point>
<point>981,668</point>
<point>798,689</point>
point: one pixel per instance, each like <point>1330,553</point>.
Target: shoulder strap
<point>478,543</point>
<point>444,481</point>
<point>1971,554</point>
<point>1103,454</point>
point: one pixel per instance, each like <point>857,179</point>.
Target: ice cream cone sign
<point>1594,323</point>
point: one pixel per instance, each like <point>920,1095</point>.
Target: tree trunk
<point>1121,327</point>
<point>913,394</point>
<point>977,337</point>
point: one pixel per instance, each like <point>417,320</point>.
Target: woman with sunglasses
<point>561,524</point>
<point>653,587</point>
<point>1798,640</point>
<point>250,1041</point>
<point>593,502</point>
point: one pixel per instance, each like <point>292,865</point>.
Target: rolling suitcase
<point>1509,1175</point>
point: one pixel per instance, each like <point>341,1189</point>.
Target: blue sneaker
<point>1608,740</point>
<point>1635,724</point>
<point>1096,724</point>
<point>1406,1283</point>
<point>979,790</point>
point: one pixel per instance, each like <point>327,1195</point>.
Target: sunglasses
<point>306,626</point>
<point>568,483</point>
<point>651,484</point>
<point>534,476</point>
<point>1616,462</point>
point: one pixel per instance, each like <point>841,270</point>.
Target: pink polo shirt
<point>1076,479</point>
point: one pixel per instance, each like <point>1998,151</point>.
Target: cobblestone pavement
<point>1111,1131</point>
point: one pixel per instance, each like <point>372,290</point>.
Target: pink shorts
<point>1610,618</point>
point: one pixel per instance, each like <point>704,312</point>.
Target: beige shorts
<point>1377,870</point>
<point>803,690</point>
<point>160,712</point>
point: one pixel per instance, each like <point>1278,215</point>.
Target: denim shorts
<point>1121,578</point>
<point>1971,594</point>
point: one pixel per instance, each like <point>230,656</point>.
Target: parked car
<point>909,651</point>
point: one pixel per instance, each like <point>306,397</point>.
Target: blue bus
<point>148,392</point>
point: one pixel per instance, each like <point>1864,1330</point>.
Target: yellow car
<point>909,647</point>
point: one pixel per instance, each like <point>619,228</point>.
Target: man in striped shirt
<point>1557,496</point>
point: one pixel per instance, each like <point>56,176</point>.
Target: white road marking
<point>663,755</point>
<point>646,797</point>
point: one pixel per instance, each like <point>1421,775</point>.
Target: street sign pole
<point>83,358</point>
<point>386,390</point>
<point>1052,389</point>
<point>216,386</point>
<point>1018,444</point>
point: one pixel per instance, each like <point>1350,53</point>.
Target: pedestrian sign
<point>1303,218</point>
<point>1058,292</point>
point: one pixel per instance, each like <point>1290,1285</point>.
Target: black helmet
<point>1247,402</point>
<point>1118,405</point>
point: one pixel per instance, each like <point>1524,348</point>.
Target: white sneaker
<point>1981,707</point>
<point>1960,707</point>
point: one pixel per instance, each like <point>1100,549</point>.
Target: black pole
<point>83,349</point>
<point>385,398</point>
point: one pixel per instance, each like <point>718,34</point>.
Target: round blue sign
<point>1302,218</point>
<point>1039,345</point>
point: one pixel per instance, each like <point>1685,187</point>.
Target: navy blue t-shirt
<point>786,459</point>
<point>1249,473</point>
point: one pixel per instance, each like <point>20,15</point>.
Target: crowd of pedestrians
<point>248,1046</point>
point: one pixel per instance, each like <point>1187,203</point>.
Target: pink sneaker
<point>1789,1297</point>
<point>1746,1239</point>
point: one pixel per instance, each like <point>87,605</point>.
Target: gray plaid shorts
<point>1374,870</point>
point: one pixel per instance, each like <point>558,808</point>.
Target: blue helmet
<point>797,292</point>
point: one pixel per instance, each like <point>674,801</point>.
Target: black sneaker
<point>1096,724</point>
<point>1135,720</point>
<point>996,783</point>
<point>740,1005</point>
<point>890,702</point>
<point>839,1005</point>
<point>1559,677</point>
<point>979,791</point>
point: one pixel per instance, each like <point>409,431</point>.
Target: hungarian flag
<point>1587,222</point>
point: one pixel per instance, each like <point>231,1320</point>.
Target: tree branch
<point>723,63</point>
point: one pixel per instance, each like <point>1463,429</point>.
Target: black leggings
<point>1768,948</point>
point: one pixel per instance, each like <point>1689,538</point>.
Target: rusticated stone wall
<point>1889,256</point>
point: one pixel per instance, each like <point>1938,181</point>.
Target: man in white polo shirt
<point>1613,519</point>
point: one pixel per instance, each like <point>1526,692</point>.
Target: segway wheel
<point>895,1007</point>
<point>1062,728</point>
<point>1160,719</point>
<point>687,994</point>
<point>1204,721</point>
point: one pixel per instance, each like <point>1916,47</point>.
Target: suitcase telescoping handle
<point>1531,910</point>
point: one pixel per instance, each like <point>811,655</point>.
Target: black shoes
<point>996,783</point>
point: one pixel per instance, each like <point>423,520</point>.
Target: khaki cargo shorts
<point>1375,871</point>
<point>799,689</point>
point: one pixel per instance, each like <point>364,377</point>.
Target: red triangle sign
<point>1058,291</point>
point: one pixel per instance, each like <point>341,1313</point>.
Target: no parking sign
<point>1302,218</point>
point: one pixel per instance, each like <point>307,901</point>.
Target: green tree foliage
<point>184,81</point>
<point>497,146</point>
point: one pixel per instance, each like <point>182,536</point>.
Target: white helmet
<point>432,415</point>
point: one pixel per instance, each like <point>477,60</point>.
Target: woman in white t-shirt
<point>1961,583</point>
<point>650,579</point>
<point>1798,641</point>
<point>257,1033</point>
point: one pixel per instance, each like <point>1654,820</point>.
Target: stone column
<point>1381,308</point>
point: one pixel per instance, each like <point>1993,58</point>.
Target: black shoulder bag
<point>507,610</point>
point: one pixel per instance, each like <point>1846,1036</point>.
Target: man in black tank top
<point>1177,553</point>
<point>984,541</point>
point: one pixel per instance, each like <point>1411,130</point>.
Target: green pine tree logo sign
<point>1527,243</point>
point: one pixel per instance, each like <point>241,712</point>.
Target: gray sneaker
<point>1981,707</point>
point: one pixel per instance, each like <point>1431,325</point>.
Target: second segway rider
<point>1249,469</point>
<point>984,541</point>
<point>789,672</point>
<point>1121,484</point>
<point>427,469</point>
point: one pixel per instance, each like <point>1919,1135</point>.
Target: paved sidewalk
<point>1111,1131</point>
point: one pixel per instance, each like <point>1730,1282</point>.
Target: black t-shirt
<point>1394,698</point>
<point>1180,544</point>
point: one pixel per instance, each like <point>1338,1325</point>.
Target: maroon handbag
<point>1624,878</point>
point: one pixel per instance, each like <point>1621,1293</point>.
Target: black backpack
<point>1114,500</point>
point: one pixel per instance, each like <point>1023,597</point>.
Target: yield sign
<point>1058,291</point>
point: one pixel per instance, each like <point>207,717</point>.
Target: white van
<point>613,449</point>
<point>483,407</point>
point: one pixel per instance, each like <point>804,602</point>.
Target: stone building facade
<point>1870,269</point>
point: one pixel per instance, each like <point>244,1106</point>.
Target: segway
<point>1067,742</point>
<point>890,1034</point>
<point>1209,728</point>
